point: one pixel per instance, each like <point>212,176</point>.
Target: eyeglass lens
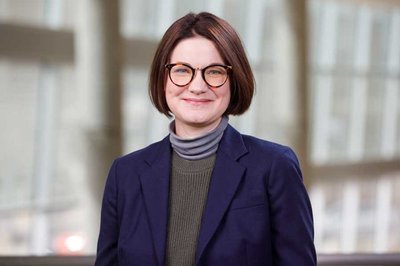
<point>214,76</point>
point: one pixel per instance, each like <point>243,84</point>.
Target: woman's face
<point>197,107</point>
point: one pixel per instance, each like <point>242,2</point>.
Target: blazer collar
<point>225,180</point>
<point>155,187</point>
<point>232,144</point>
<point>226,177</point>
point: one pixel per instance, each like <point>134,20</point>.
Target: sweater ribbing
<point>189,185</point>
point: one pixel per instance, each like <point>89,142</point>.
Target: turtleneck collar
<point>199,147</point>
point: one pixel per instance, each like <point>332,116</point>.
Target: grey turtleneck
<point>199,147</point>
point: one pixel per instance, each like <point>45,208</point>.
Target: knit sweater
<point>189,185</point>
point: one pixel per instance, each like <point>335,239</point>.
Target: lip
<point>196,101</point>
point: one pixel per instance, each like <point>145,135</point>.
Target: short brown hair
<point>230,47</point>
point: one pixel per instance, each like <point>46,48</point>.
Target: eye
<point>215,71</point>
<point>179,69</point>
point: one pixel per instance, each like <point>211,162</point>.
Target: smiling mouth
<point>196,101</point>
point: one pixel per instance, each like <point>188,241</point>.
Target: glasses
<point>214,75</point>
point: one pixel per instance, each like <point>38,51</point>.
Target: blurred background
<point>73,96</point>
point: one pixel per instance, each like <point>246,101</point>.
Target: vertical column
<point>322,105</point>
<point>165,16</point>
<point>254,35</point>
<point>392,90</point>
<point>318,199</point>
<point>358,108</point>
<point>98,64</point>
<point>350,213</point>
<point>382,214</point>
<point>254,32</point>
<point>292,73</point>
<point>45,152</point>
<point>326,60</point>
<point>40,239</point>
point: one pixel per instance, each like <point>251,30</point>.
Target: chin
<point>196,121</point>
<point>199,121</point>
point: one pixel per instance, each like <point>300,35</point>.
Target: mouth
<point>196,101</point>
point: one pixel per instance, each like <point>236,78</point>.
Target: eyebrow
<point>185,63</point>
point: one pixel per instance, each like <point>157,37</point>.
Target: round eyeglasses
<point>214,75</point>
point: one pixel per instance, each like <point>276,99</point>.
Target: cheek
<point>225,94</point>
<point>169,88</point>
<point>227,101</point>
<point>172,91</point>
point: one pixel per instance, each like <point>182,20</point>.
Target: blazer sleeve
<point>291,214</point>
<point>109,229</point>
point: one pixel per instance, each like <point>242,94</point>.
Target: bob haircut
<point>228,44</point>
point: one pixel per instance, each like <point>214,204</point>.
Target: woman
<point>205,194</point>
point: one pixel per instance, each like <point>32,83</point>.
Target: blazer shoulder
<point>267,148</point>
<point>146,154</point>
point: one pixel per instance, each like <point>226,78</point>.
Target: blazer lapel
<point>155,187</point>
<point>225,180</point>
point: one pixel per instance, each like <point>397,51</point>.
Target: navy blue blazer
<point>257,212</point>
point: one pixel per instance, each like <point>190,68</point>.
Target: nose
<point>198,85</point>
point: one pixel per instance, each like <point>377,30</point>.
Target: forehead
<point>197,51</point>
